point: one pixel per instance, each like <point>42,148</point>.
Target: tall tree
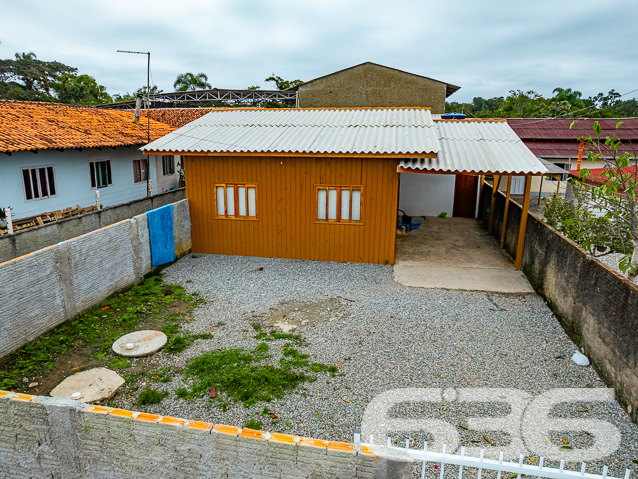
<point>283,84</point>
<point>79,89</point>
<point>189,81</point>
<point>27,78</point>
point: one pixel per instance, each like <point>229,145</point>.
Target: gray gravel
<point>381,335</point>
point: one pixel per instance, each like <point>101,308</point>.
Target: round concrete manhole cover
<point>93,385</point>
<point>140,343</point>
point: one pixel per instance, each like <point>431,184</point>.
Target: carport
<point>456,253</point>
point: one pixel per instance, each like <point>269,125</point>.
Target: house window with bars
<point>100,173</point>
<point>140,170</point>
<point>168,165</point>
<point>39,182</point>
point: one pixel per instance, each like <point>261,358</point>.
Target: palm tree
<point>189,81</point>
<point>573,97</point>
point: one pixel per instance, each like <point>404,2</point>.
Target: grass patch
<point>119,363</point>
<point>178,343</point>
<point>160,375</point>
<point>151,396</point>
<point>249,376</point>
<point>253,424</point>
<point>242,375</point>
<point>92,333</point>
<point>275,336</point>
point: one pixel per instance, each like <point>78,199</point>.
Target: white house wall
<point>166,182</point>
<point>72,177</point>
<point>426,195</point>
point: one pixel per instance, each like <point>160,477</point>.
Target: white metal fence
<point>478,466</point>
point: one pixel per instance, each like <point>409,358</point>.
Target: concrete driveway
<point>455,253</point>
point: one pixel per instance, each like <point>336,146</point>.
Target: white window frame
<point>92,174</point>
<point>146,170</point>
<point>233,210</point>
<point>24,186</point>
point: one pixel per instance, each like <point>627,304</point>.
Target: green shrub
<point>151,396</point>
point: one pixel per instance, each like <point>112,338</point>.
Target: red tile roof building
<point>552,137</point>
<point>32,126</point>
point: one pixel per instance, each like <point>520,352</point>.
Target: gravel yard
<point>381,335</point>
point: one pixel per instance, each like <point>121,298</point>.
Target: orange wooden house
<point>314,184</point>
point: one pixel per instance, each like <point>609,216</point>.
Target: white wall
<point>165,182</point>
<point>72,177</point>
<point>426,195</point>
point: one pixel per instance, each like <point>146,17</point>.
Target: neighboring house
<point>54,156</point>
<point>552,139</point>
<point>177,117</point>
<point>598,176</point>
<point>323,184</point>
<point>373,85</point>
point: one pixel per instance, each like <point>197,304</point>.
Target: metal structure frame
<point>216,95</point>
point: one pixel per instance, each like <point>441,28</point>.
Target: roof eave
<point>291,154</point>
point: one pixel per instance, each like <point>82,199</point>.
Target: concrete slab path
<point>456,253</point>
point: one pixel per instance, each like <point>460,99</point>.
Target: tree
<point>604,218</point>
<point>189,81</point>
<point>283,84</point>
<point>140,91</point>
<point>79,90</point>
<point>572,97</point>
<point>27,78</point>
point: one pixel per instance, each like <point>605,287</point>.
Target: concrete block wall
<point>47,287</point>
<point>597,306</point>
<point>33,239</point>
<point>54,437</point>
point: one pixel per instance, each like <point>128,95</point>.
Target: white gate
<point>461,462</point>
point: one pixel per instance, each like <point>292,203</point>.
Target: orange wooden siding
<point>286,208</point>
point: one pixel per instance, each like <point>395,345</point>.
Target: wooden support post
<point>558,189</point>
<point>481,182</point>
<point>540,190</point>
<point>507,207</point>
<point>496,181</point>
<point>523,227</point>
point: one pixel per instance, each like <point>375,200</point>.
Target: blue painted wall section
<point>160,228</point>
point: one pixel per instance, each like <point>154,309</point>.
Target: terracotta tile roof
<point>28,125</point>
<point>177,117</point>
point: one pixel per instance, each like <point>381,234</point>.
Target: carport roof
<point>477,147</point>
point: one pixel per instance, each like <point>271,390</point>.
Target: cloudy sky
<point>487,47</point>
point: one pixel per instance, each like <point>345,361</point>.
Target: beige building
<point>373,85</point>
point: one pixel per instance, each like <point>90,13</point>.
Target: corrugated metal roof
<point>319,117</point>
<point>569,149</point>
<point>553,168</point>
<point>354,131</point>
<point>473,147</point>
<point>462,146</point>
<point>562,129</point>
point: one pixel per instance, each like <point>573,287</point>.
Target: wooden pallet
<point>48,217</point>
